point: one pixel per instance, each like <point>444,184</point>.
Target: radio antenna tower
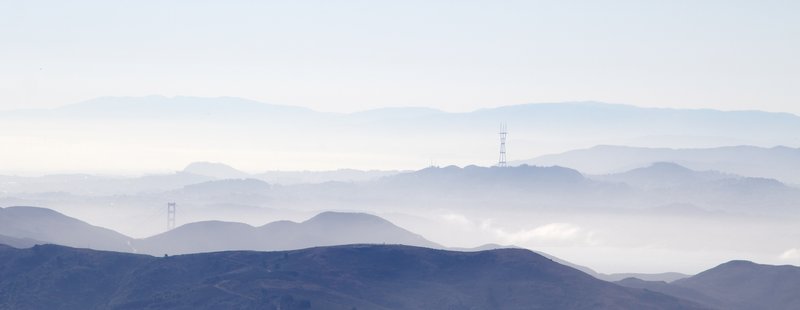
<point>171,215</point>
<point>503,133</point>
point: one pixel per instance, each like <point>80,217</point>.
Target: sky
<point>345,56</point>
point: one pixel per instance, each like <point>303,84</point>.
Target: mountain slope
<point>735,285</point>
<point>333,228</point>
<point>664,175</point>
<point>206,236</point>
<point>325,229</point>
<point>215,170</point>
<point>56,277</point>
<point>343,277</point>
<point>674,290</point>
<point>474,177</point>
<point>746,285</point>
<point>49,226</point>
<point>19,243</point>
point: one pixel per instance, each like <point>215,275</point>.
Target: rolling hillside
<point>343,277</point>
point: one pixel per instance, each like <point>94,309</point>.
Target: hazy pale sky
<point>453,55</point>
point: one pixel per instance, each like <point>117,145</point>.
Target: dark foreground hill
<point>342,277</point>
<point>747,285</point>
<point>735,285</point>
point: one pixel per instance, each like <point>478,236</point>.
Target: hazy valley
<point>617,226</point>
<point>400,155</point>
<point>363,267</point>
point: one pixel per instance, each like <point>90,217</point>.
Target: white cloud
<point>791,254</point>
<point>455,218</point>
<point>549,233</point>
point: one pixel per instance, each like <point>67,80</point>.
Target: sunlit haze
<point>344,155</point>
<point>348,56</point>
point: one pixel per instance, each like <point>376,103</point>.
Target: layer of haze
<point>457,56</point>
<point>346,56</point>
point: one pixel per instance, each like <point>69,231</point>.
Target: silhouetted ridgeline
<point>327,228</point>
<point>460,138</point>
<point>45,225</point>
<point>587,120</point>
<point>25,226</point>
<point>364,276</point>
<point>342,277</point>
<point>475,177</point>
<point>735,285</point>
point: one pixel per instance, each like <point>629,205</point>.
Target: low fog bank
<point>620,242</point>
<point>656,218</point>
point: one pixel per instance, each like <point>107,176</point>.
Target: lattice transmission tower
<point>503,133</point>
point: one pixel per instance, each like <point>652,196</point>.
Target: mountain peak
<point>327,228</point>
<point>53,227</point>
<point>205,225</point>
<point>740,263</point>
<point>345,218</point>
<point>748,285</point>
<point>665,169</point>
<point>214,170</point>
<point>32,210</point>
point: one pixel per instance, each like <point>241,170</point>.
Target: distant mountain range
<point>328,228</point>
<point>21,225</point>
<point>194,173</point>
<point>223,171</point>
<point>665,175</point>
<point>209,179</point>
<point>572,116</point>
<point>406,138</point>
<point>472,178</point>
<point>215,170</point>
<point>342,277</point>
<point>775,163</point>
<point>661,188</point>
<point>98,185</point>
<point>671,176</point>
<point>653,186</point>
<point>25,226</point>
